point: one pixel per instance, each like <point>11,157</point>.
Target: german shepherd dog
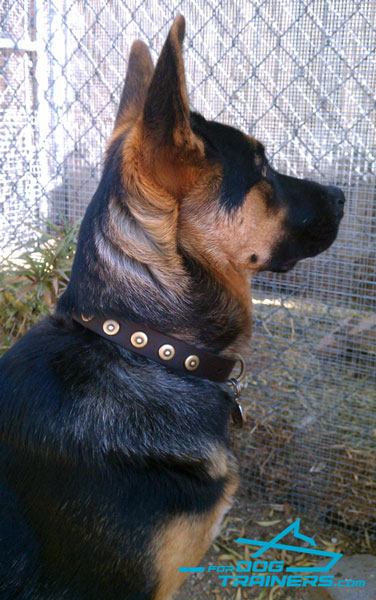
<point>116,469</point>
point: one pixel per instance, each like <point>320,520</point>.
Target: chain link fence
<point>300,76</point>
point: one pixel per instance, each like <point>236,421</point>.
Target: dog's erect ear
<point>172,154</point>
<point>166,110</point>
<point>139,75</point>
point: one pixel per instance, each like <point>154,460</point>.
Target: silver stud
<point>86,319</point>
<point>139,339</point>
<point>191,363</point>
<point>111,327</point>
<point>166,352</point>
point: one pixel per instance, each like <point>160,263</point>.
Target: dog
<point>116,462</point>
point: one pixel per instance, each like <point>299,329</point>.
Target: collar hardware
<point>164,349</point>
<point>139,339</point>
<point>166,352</point>
<point>237,414</point>
<point>110,327</point>
<point>191,362</point>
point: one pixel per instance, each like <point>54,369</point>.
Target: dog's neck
<point>106,280</point>
<point>120,270</point>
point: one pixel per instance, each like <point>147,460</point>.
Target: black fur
<point>88,449</point>
<point>313,215</point>
<point>100,447</point>
<point>234,151</point>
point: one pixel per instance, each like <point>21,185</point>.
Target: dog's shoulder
<point>67,388</point>
<point>27,374</point>
<point>117,437</point>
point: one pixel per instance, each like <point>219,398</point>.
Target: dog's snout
<point>337,197</point>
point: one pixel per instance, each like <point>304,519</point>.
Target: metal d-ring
<point>243,368</point>
<point>237,411</point>
<point>234,383</point>
<point>235,380</point>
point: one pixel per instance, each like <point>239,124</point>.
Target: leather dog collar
<point>161,348</point>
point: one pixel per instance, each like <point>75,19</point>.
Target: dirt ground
<point>261,521</point>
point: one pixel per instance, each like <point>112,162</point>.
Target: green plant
<point>34,277</point>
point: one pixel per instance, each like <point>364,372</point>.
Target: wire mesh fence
<point>299,76</point>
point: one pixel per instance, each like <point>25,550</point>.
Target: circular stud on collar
<point>111,327</point>
<point>139,339</point>
<point>166,352</point>
<point>86,319</point>
<point>191,363</point>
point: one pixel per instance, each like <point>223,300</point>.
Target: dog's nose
<point>337,197</point>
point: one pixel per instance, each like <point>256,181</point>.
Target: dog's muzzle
<point>313,214</point>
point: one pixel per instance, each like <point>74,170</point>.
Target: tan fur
<point>159,171</point>
<point>186,538</point>
<point>139,74</point>
<point>172,192</point>
<point>138,242</point>
<point>155,210</point>
<point>224,243</point>
<point>217,464</point>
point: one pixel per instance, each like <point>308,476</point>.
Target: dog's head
<point>186,203</point>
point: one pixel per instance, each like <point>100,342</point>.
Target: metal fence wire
<point>300,76</point>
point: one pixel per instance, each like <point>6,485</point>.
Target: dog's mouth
<point>283,267</point>
<point>286,255</point>
<point>312,220</point>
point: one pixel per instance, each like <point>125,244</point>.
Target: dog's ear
<point>139,75</point>
<point>166,111</point>
<point>172,146</point>
<point>162,159</point>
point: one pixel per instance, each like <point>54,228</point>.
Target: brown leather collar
<point>161,348</point>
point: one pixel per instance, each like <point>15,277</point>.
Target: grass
<point>310,435</point>
<point>34,277</point>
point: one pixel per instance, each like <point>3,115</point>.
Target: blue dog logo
<point>275,543</point>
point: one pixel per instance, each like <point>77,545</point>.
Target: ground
<point>263,521</point>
